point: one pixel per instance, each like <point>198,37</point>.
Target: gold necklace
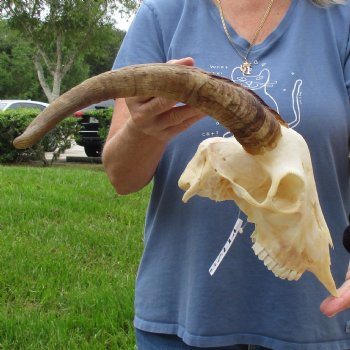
<point>246,66</point>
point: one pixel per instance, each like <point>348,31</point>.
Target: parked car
<point>15,104</point>
<point>88,134</point>
<point>18,104</point>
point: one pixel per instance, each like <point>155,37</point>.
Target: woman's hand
<point>159,117</point>
<point>139,132</point>
<point>332,305</point>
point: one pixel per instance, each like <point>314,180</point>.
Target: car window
<point>22,104</point>
<point>15,105</point>
<point>31,105</point>
<point>41,107</point>
<point>101,105</point>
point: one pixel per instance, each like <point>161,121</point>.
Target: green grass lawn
<point>69,250</point>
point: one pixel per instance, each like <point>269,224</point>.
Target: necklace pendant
<point>246,68</point>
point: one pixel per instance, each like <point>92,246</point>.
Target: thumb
<point>333,305</point>
<point>186,61</point>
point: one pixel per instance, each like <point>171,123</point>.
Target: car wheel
<point>92,151</point>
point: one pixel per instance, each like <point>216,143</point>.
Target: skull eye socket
<point>289,194</point>
<point>259,190</point>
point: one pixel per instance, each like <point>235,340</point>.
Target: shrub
<point>14,122</point>
<point>104,117</point>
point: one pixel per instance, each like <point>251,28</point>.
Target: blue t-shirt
<point>302,70</point>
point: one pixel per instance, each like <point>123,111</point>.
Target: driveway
<point>75,151</point>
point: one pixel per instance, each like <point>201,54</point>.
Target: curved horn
<point>252,122</point>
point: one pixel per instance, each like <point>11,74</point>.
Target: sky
<point>124,23</point>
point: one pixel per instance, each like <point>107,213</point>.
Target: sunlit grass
<point>69,250</point>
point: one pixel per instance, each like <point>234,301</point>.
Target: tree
<point>101,56</point>
<point>60,31</point>
<point>17,72</point>
<point>16,65</point>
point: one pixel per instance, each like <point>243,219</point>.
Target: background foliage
<point>59,42</point>
<point>13,123</point>
<point>18,76</point>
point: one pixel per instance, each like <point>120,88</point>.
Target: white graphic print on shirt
<point>262,84</point>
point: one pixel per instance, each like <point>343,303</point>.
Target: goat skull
<point>257,128</point>
<point>277,192</point>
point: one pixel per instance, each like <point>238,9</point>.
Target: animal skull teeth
<point>278,270</point>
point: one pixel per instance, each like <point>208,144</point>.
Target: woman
<point>295,55</point>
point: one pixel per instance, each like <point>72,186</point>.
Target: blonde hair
<point>328,2</point>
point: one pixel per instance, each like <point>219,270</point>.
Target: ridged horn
<point>252,122</point>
